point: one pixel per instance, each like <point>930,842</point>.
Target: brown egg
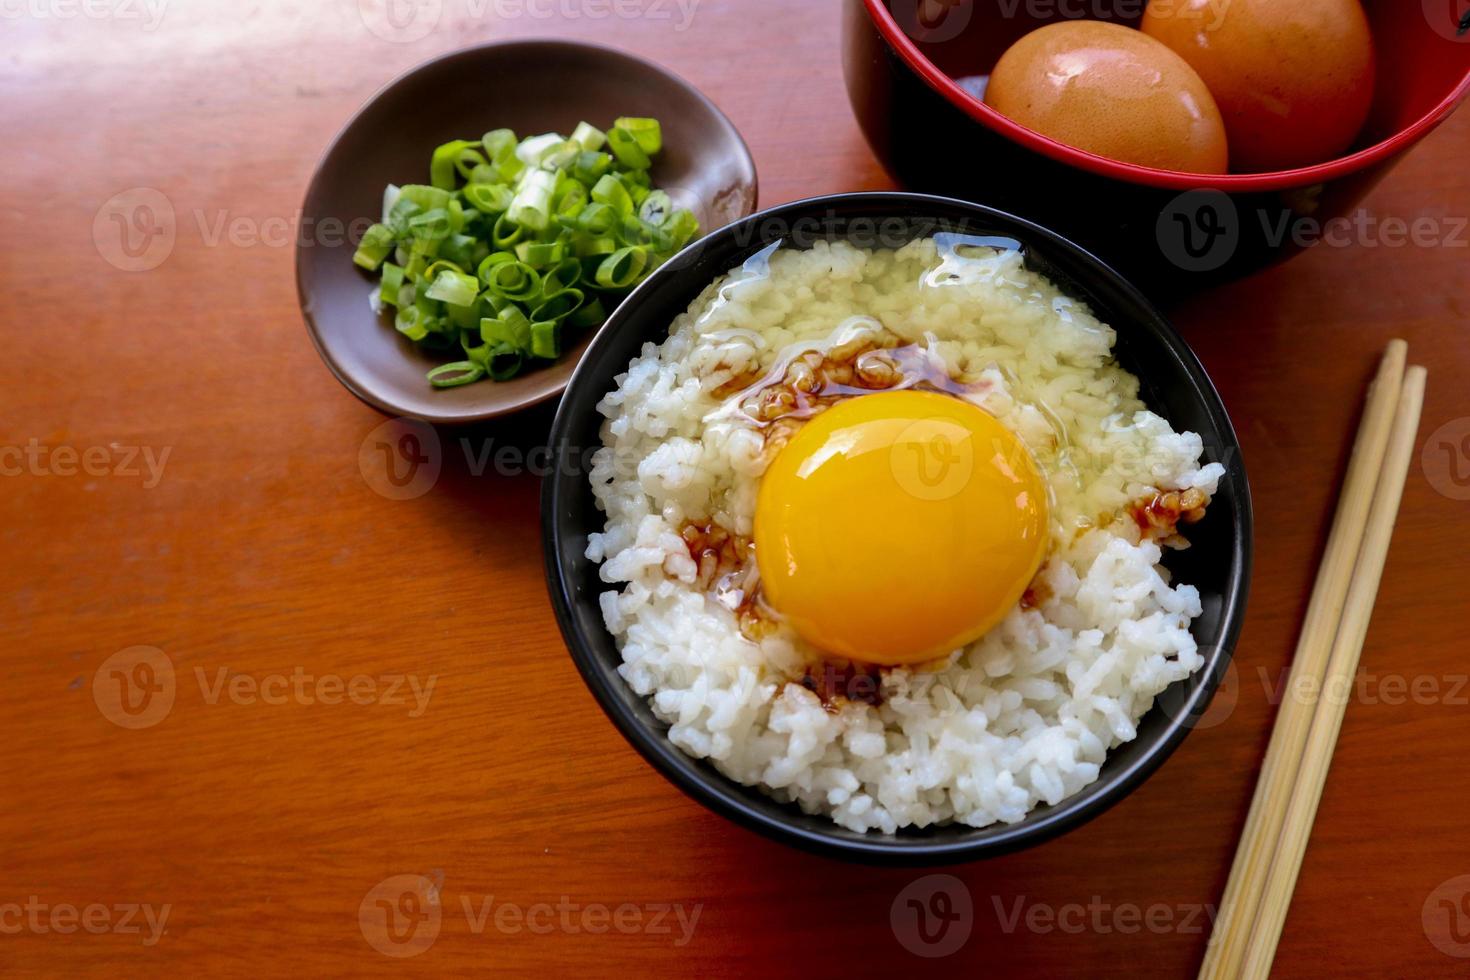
<point>1113,91</point>
<point>1293,78</point>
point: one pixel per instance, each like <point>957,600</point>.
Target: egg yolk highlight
<point>897,527</point>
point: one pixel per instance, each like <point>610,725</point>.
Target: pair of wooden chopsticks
<point>1295,769</point>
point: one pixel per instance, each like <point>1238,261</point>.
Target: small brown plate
<point>532,87</point>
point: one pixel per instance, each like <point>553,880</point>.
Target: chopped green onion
<point>426,198</point>
<point>499,144</point>
<point>531,208</point>
<point>533,148</point>
<point>540,255</point>
<point>656,208</point>
<point>431,225</point>
<point>392,283</point>
<point>646,131</point>
<point>558,306</point>
<point>442,166</point>
<point>589,167</point>
<point>681,226</point>
<point>456,374</point>
<point>589,137</point>
<point>624,146</point>
<point>554,228</point>
<point>506,232</point>
<point>610,191</point>
<point>513,280</point>
<point>410,323</point>
<point>505,363</point>
<point>622,268</point>
<point>589,314</point>
<point>565,274</point>
<point>376,243</point>
<point>545,340</point>
<point>489,198</point>
<point>510,328</point>
<point>453,287</point>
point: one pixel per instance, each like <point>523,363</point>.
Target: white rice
<point>1026,714</point>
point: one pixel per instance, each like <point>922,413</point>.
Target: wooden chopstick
<point>1301,811</point>
<point>1226,951</point>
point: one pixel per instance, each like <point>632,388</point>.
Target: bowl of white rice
<point>896,528</point>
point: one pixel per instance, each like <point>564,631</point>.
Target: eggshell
<point>1293,78</point>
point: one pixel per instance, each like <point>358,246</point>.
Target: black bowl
<point>1173,384</point>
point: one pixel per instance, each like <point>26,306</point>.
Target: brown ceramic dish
<point>531,87</point>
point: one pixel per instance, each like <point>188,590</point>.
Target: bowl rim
<point>467,415</point>
<point>723,795</point>
<point>888,28</point>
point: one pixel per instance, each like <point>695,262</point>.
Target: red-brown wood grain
<point>261,551</point>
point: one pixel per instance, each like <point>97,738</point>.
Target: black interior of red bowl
<point>1421,58</point>
<point>1173,384</point>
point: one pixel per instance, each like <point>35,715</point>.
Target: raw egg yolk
<point>1113,91</point>
<point>1293,78</point>
<point>897,527</point>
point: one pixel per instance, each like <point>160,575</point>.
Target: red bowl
<point>910,66</point>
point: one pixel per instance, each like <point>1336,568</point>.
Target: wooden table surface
<point>365,687</point>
